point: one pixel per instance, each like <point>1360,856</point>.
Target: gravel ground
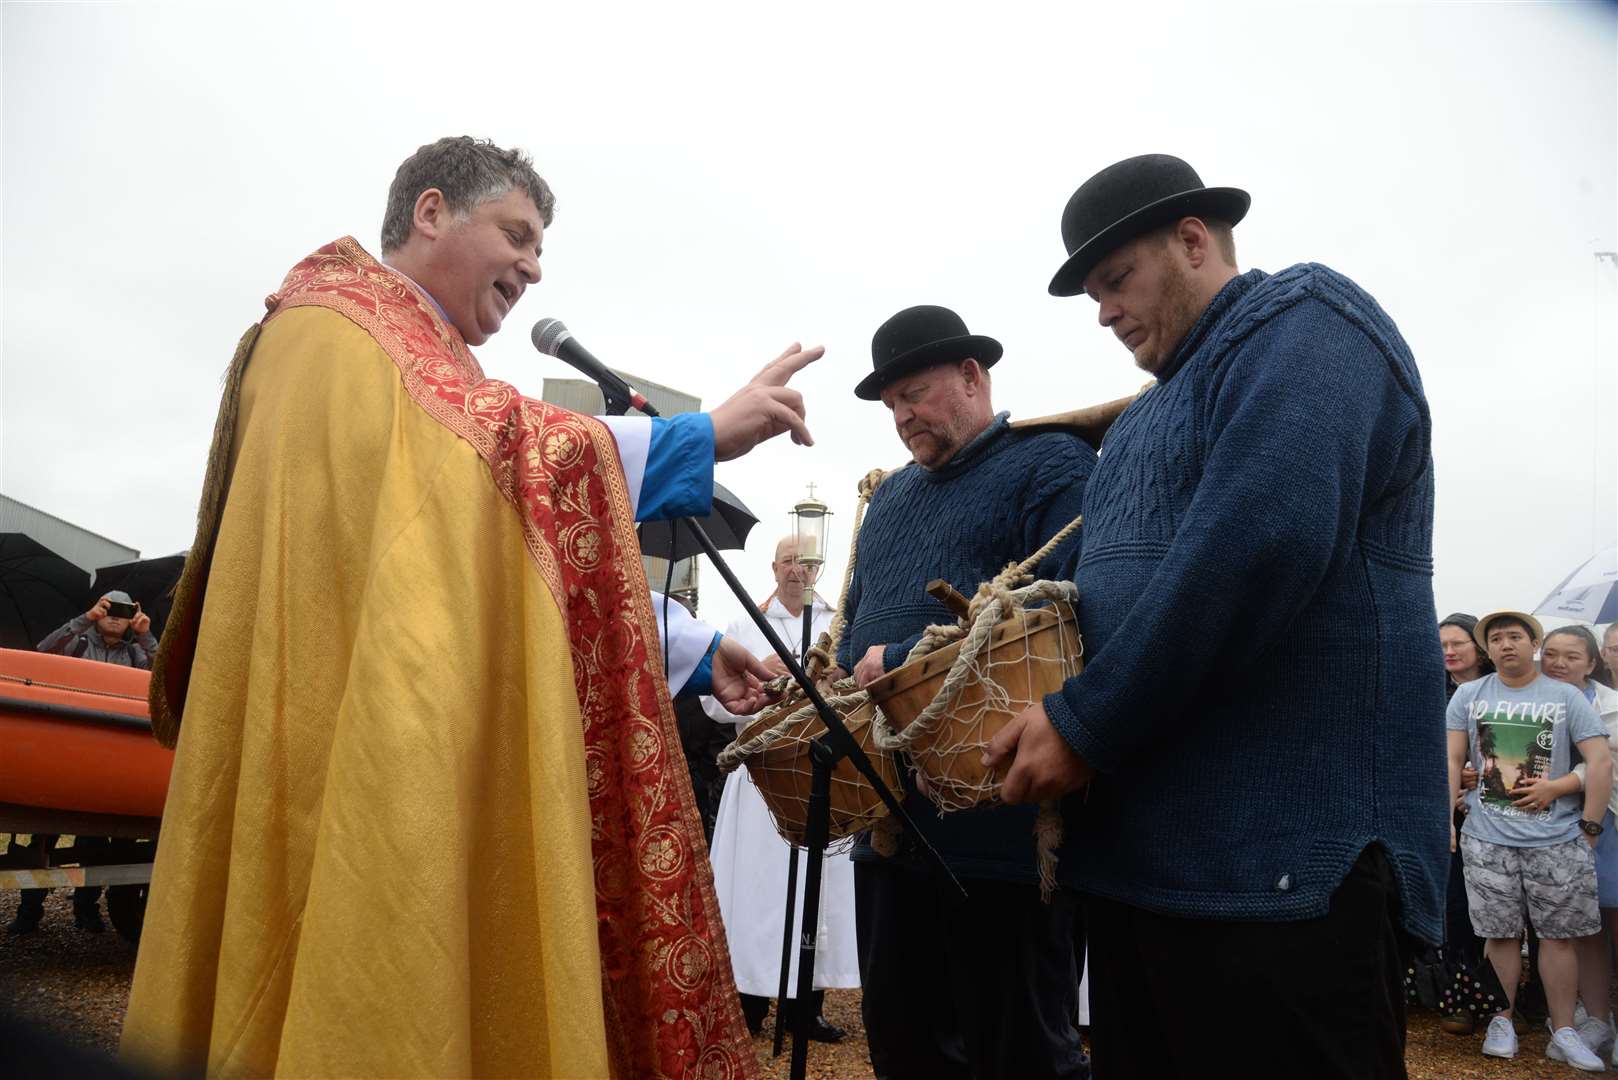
<point>78,984</point>
<point>66,978</point>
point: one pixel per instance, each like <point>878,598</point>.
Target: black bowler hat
<point>1129,198</point>
<point>920,337</point>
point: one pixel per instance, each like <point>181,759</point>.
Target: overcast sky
<point>731,179</point>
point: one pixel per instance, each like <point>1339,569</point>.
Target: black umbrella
<point>727,526</point>
<point>39,591</point>
<point>148,581</point>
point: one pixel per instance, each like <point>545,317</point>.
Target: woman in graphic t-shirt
<point>1572,656</point>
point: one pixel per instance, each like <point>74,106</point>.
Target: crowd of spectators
<point>1533,727</point>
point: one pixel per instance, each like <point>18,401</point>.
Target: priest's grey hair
<point>469,172</point>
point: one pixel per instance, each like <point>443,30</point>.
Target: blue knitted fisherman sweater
<point>1002,497</point>
<point>1255,594</point>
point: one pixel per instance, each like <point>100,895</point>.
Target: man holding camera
<point>114,631</point>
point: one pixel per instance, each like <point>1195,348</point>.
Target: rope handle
<point>994,602</point>
<point>740,751</point>
<point>867,487</point>
<point>1015,574</point>
<point>997,595</point>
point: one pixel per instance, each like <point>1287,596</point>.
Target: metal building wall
<point>583,396</point>
<point>81,547</point>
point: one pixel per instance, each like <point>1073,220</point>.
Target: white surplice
<point>750,859</point>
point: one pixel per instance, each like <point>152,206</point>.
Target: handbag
<point>1476,989</point>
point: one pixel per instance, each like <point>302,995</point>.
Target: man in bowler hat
<point>987,988</point>
<point>1256,806</point>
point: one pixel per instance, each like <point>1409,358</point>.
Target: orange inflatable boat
<point>75,737</point>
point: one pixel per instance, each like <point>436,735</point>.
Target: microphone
<point>553,338</point>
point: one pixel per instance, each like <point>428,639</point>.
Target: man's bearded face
<point>931,413</point>
<point>484,261</point>
<point>1146,298</point>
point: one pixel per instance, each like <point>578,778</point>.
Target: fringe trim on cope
<point>171,668</point>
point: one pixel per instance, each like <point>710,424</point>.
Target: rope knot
<point>793,709</point>
<point>994,601</point>
<point>990,593</point>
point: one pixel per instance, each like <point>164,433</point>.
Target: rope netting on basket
<point>1017,641</point>
<point>1009,656</point>
<point>775,747</point>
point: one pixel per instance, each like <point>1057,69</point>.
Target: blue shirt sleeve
<point>678,481</point>
<point>895,653</point>
<point>701,680</point>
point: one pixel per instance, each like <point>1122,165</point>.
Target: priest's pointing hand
<point>739,677</point>
<point>1043,765</point>
<point>765,407</point>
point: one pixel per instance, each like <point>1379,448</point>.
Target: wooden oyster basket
<point>1024,654</point>
<point>782,769</point>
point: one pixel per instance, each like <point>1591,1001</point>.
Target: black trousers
<point>31,905</point>
<point>987,988</point>
<point>756,1009</point>
<point>1318,998</point>
<point>1460,943</point>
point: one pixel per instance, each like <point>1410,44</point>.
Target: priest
<point>428,813</point>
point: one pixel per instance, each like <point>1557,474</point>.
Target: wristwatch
<point>1591,828</point>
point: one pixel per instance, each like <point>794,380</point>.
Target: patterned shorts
<point>1558,883</point>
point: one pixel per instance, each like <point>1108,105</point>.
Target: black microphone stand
<point>792,867</point>
<point>825,751</point>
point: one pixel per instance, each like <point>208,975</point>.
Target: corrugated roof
<point>82,547</point>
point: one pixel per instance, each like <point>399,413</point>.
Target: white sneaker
<point>1597,1034</point>
<point>1566,1046</point>
<point>1501,1041</point>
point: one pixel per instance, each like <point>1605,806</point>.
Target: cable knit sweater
<point>1002,497</point>
<point>1255,593</point>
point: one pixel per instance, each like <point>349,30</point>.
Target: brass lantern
<point>811,523</point>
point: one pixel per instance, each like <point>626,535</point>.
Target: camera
<point>118,610</point>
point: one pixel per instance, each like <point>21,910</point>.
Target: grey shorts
<point>1557,882</point>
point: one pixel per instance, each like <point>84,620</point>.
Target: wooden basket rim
<point>773,715</point>
<point>908,676</point>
